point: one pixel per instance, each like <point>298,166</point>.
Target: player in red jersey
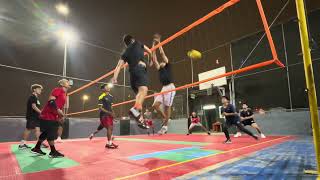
<point>195,121</point>
<point>149,122</point>
<point>50,116</point>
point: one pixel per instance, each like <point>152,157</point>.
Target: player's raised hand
<point>114,80</point>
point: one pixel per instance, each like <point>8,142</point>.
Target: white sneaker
<point>135,112</point>
<point>262,135</point>
<point>59,140</point>
<point>163,130</point>
<point>237,135</point>
<point>91,136</point>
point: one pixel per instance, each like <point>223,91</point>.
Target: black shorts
<point>50,128</point>
<point>248,122</point>
<point>138,77</point>
<point>32,123</point>
<point>233,121</point>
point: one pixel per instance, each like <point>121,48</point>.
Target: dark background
<point>27,41</point>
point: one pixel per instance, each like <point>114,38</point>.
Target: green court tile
<point>29,162</point>
<point>164,141</point>
<point>187,154</point>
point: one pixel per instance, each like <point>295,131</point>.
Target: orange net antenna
<point>182,31</point>
<point>268,33</point>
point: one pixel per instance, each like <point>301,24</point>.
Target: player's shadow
<point>49,166</point>
<point>150,164</point>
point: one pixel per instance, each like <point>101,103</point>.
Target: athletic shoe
<point>116,146</point>
<point>237,135</point>
<point>255,137</point>
<point>91,136</point>
<point>208,133</point>
<point>112,146</point>
<point>59,140</point>
<point>228,141</point>
<point>44,146</point>
<point>136,115</point>
<point>262,135</point>
<point>24,146</point>
<point>38,152</point>
<point>163,130</point>
<point>143,125</point>
<point>55,154</point>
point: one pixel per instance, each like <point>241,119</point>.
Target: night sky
<point>28,39</point>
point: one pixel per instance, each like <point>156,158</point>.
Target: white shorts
<point>194,124</point>
<point>166,99</point>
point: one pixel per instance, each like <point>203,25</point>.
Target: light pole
<point>191,61</point>
<point>63,9</point>
<point>64,71</point>
<point>67,36</point>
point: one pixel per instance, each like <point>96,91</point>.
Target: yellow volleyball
<point>194,54</point>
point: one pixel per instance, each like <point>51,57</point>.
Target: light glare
<point>110,85</point>
<point>62,9</point>
<point>67,35</point>
<point>209,106</point>
<point>85,97</point>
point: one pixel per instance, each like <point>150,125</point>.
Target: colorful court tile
<point>29,162</point>
<point>138,157</point>
<point>178,155</point>
<point>284,161</point>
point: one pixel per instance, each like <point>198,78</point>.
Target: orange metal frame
<point>275,59</point>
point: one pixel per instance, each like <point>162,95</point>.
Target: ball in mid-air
<point>194,54</point>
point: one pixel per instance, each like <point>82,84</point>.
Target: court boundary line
<point>184,162</point>
<point>160,141</point>
<point>210,168</point>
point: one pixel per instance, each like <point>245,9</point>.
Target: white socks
<point>23,142</point>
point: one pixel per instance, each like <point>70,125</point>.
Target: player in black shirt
<point>246,116</point>
<point>134,56</point>
<point>32,115</point>
<point>107,114</point>
<point>166,79</point>
<point>232,118</point>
